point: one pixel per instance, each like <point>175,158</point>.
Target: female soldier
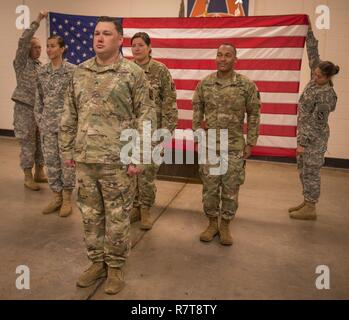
<point>316,102</point>
<point>164,94</point>
<point>53,79</point>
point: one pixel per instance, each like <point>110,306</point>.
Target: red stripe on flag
<point>243,64</point>
<point>212,22</point>
<point>184,124</point>
<point>255,42</point>
<point>186,84</point>
<point>269,108</point>
<point>184,105</point>
<point>277,86</point>
<point>279,108</point>
<point>275,131</point>
<point>272,151</point>
<point>264,130</point>
<point>263,86</point>
<point>256,151</point>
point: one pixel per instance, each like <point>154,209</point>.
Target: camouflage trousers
<point>27,133</point>
<point>145,190</point>
<point>220,192</point>
<point>59,176</point>
<point>105,196</point>
<point>309,164</point>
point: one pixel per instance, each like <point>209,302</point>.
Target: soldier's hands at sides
<point>299,150</point>
<point>247,151</point>
<point>69,163</point>
<point>132,170</point>
<point>42,14</point>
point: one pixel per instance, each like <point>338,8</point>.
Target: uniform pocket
<point>322,113</point>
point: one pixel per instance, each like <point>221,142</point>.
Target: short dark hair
<point>59,39</point>
<point>328,68</point>
<point>117,24</point>
<point>229,45</point>
<point>143,35</point>
<point>60,42</point>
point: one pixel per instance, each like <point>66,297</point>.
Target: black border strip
<point>7,133</point>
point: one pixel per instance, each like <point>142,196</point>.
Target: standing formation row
<point>76,115</point>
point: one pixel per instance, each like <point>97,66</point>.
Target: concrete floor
<point>273,257</point>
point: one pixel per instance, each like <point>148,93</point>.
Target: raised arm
<point>23,50</point>
<point>312,49</point>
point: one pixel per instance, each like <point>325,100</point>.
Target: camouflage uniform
<point>315,105</point>
<point>26,130</point>
<point>223,103</point>
<point>102,101</point>
<point>49,101</point>
<point>164,94</point>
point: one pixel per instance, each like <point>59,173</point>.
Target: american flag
<point>269,49</point>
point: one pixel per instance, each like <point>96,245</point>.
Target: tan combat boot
<point>66,208</point>
<point>210,231</point>
<point>115,281</point>
<point>146,223</point>
<point>29,181</point>
<point>54,204</point>
<point>308,212</point>
<point>39,175</point>
<point>135,214</point>
<point>224,233</point>
<point>300,206</point>
<point>96,271</point>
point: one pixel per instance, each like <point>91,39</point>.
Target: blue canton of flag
<point>77,32</point>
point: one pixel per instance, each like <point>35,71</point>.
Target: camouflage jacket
<point>50,91</point>
<point>315,104</point>
<point>164,93</point>
<point>101,101</point>
<point>26,68</point>
<point>223,103</point>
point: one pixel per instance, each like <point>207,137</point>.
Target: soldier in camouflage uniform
<point>26,65</point>
<point>107,94</point>
<point>164,93</point>
<point>53,80</point>
<point>222,99</point>
<point>315,104</point>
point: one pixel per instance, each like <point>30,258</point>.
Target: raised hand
<point>42,14</point>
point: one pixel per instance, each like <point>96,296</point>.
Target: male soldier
<point>222,99</point>
<point>26,65</point>
<point>107,94</point>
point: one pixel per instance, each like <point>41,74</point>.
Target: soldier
<point>315,104</point>
<point>26,65</point>
<point>106,95</point>
<point>222,99</point>
<point>53,80</point>
<point>164,94</point>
